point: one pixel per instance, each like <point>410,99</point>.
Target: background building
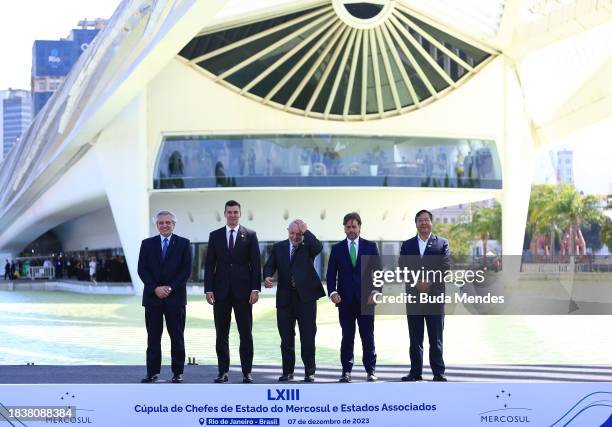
<point>304,109</point>
<point>16,117</point>
<point>565,166</point>
<point>52,60</point>
<point>3,95</point>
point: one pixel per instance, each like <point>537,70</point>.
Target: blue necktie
<point>164,248</point>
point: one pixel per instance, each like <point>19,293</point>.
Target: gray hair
<point>293,221</point>
<point>163,212</point>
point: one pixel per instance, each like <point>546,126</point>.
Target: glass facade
<point>17,115</point>
<point>326,161</point>
<point>313,62</point>
<point>53,59</point>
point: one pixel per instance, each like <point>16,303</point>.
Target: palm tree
<point>486,224</point>
<point>572,210</point>
<point>542,217</point>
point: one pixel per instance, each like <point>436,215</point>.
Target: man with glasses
<point>425,252</point>
<point>164,265</point>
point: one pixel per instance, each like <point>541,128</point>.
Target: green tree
<point>542,216</point>
<point>573,209</point>
<point>486,224</point>
<point>606,233</point>
<point>458,239</point>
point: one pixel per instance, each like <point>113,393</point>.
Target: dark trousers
<point>350,313</point>
<point>416,329</point>
<point>243,311</point>
<point>305,313</point>
<point>175,324</point>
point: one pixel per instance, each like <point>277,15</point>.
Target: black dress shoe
<point>247,379</point>
<point>178,378</point>
<point>150,379</point>
<point>286,377</point>
<point>345,378</point>
<point>440,378</point>
<point>309,378</point>
<point>222,378</point>
<point>372,377</point>
<point>412,378</point>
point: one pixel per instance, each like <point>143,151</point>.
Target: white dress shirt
<point>162,241</point>
<point>422,243</point>
<point>227,234</point>
<point>348,245</point>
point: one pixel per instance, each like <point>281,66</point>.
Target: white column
<point>121,150</point>
<point>518,152</point>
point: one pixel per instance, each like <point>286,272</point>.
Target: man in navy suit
<point>346,290</point>
<point>425,252</point>
<point>164,265</point>
<point>299,288</point>
<point>232,281</point>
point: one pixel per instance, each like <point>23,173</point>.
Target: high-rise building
<point>3,95</point>
<point>565,166</point>
<point>52,60</point>
<point>16,117</point>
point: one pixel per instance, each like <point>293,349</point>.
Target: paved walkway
<point>97,374</point>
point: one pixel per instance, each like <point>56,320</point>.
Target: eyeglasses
<point>423,221</point>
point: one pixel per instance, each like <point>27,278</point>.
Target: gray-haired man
<point>164,265</point>
<point>299,288</point>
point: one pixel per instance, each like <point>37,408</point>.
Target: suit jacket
<point>174,270</point>
<point>301,270</point>
<point>234,274</point>
<point>345,279</point>
<point>435,258</point>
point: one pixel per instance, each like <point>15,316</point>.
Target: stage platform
<point>204,374</point>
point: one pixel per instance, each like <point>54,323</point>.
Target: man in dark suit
<point>232,280</point>
<point>164,265</point>
<point>354,299</point>
<point>299,288</point>
<point>428,253</point>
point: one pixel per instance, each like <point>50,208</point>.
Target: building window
<point>325,160</point>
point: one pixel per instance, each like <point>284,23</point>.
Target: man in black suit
<point>428,253</point>
<point>232,280</point>
<point>299,288</point>
<point>164,265</point>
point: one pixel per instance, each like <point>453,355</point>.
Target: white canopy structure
<point>309,108</point>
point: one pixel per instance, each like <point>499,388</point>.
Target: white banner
<point>377,404</point>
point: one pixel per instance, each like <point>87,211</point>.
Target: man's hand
<point>422,286</point>
<point>371,299</point>
<point>301,225</point>
<point>268,282</point>
<point>336,298</point>
<point>162,291</point>
<point>254,297</point>
<point>210,297</point>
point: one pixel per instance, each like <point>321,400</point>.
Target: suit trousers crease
<point>349,313</point>
<point>175,324</point>
<point>305,314</point>
<point>416,329</point>
<point>243,312</point>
